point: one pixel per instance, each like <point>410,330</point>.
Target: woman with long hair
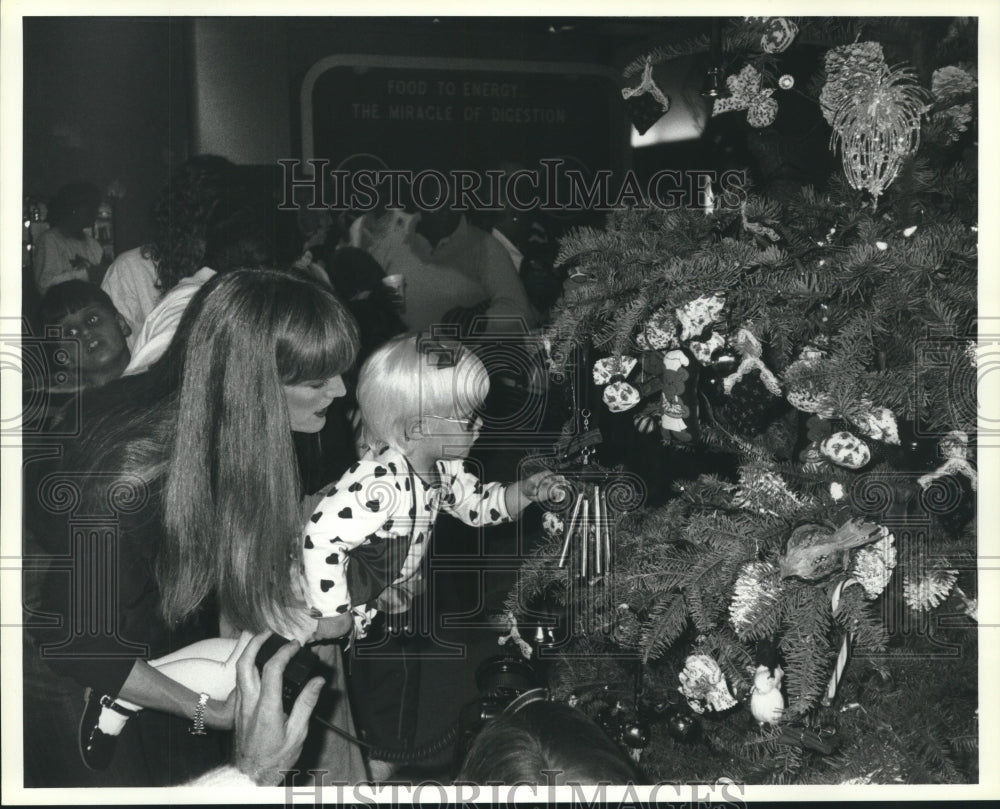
<point>191,474</point>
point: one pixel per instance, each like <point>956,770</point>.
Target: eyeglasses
<point>469,423</point>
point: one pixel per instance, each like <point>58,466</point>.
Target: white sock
<point>111,722</point>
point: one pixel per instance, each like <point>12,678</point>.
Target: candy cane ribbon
<point>838,671</point>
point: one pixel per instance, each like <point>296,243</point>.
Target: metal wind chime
<point>588,549</point>
<point>588,524</point>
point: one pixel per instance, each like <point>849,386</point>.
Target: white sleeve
<point>159,329</point>
<point>472,501</point>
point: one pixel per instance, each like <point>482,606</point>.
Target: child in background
<point>83,311</point>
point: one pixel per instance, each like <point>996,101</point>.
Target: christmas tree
<point>810,618</point>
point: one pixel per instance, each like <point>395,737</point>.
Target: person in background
<point>527,242</point>
<point>138,278</point>
<point>541,743</point>
<point>68,249</point>
<point>545,743</point>
<point>80,310</point>
<point>447,264</point>
<point>236,237</point>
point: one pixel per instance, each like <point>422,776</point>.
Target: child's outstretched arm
<point>477,503</point>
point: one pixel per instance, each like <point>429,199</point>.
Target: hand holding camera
<point>266,740</point>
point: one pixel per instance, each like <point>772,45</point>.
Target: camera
<point>501,680</point>
<point>299,671</point>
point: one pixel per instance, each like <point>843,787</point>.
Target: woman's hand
<point>267,742</point>
<point>221,715</point>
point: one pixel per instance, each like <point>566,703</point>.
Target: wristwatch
<point>198,723</point>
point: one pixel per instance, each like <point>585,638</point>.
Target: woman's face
<point>308,402</point>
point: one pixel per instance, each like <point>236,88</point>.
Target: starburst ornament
<point>926,592</point>
<point>875,113</point>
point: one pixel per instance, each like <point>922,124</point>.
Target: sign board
<point>439,113</point>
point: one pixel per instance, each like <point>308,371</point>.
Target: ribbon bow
<point>647,85</point>
<point>695,315</point>
<point>746,94</point>
<point>955,449</point>
<point>619,395</point>
<point>749,346</point>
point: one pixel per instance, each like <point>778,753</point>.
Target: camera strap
<point>533,695</point>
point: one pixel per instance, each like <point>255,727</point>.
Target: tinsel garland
<point>874,564</point>
<point>756,592</point>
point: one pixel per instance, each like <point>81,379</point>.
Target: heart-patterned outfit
<point>363,545</point>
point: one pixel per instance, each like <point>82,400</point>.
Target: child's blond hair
<point>414,376</point>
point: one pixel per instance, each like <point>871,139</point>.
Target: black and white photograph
<point>561,405</point>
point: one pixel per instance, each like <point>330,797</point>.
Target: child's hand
<point>334,626</point>
<point>545,487</point>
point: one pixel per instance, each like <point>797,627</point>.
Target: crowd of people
<point>266,434</point>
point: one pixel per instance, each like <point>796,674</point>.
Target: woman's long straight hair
<point>231,500</point>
